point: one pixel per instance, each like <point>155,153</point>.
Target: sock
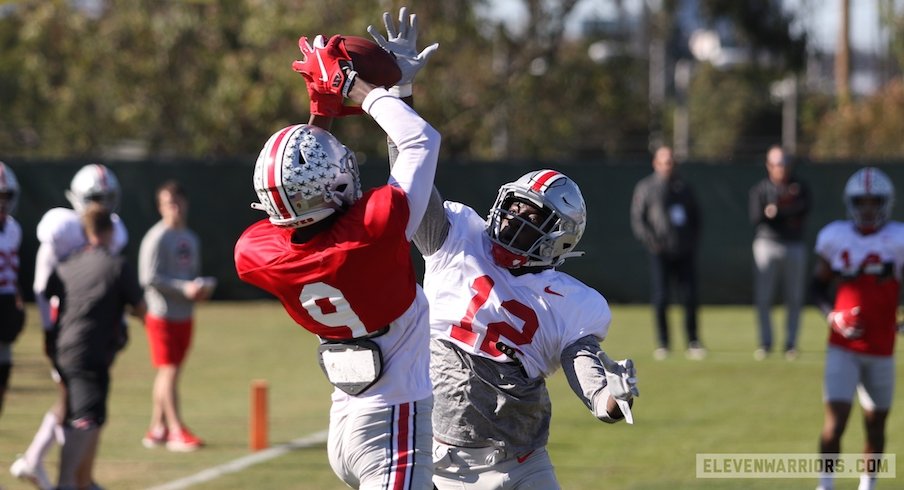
<point>43,440</point>
<point>826,481</point>
<point>867,482</point>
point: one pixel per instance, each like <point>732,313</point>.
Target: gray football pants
<point>773,261</point>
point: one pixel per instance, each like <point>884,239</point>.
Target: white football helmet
<point>9,186</point>
<point>94,183</point>
<point>304,174</point>
<point>869,182</point>
<point>560,233</point>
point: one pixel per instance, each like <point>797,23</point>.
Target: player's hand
<point>621,377</point>
<point>402,45</point>
<point>846,322</point>
<point>326,66</point>
<point>324,102</point>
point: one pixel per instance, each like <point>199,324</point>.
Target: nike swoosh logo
<point>323,75</point>
<point>523,457</point>
<point>550,291</point>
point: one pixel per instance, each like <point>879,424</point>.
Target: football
<point>371,62</point>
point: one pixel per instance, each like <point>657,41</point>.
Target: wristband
<point>401,90</point>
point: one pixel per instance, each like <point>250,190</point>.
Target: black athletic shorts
<point>87,389</point>
<point>12,319</point>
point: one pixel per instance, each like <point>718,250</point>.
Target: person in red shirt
<point>339,262</point>
<point>863,258</point>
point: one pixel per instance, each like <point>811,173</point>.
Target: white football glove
<point>846,322</point>
<point>621,378</point>
<point>402,44</point>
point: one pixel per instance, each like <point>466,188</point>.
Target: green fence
<point>615,264</point>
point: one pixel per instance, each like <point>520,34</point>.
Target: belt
<point>371,335</point>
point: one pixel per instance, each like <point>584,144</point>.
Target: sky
<point>821,23</point>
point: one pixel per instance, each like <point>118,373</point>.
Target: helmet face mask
<point>94,183</point>
<point>537,221</point>
<point>9,190</point>
<point>303,175</point>
<point>869,196</point>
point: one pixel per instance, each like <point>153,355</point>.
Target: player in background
<point>340,263</point>
<point>862,260</point>
<point>96,287</point>
<point>169,266</point>
<point>60,234</point>
<point>12,309</point>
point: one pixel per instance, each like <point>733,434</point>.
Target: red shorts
<point>168,340</point>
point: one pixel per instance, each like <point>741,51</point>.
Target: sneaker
<point>183,441</point>
<point>154,438</point>
<point>760,354</point>
<point>695,351</point>
<point>660,354</point>
<point>35,475</point>
<point>791,355</point>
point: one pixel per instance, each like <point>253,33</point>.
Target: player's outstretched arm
<point>588,378</point>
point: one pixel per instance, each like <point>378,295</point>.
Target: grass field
<point>728,403</point>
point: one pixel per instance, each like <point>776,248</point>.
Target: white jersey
<point>869,271</point>
<point>474,303</point>
<point>10,241</point>
<point>847,250</point>
<point>60,234</point>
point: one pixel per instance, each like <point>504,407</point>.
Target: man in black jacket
<point>779,205</point>
<point>666,220</point>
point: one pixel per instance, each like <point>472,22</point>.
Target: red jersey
<point>350,280</point>
<point>870,270</point>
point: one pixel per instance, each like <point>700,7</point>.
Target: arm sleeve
<point>418,150</point>
<point>434,227</point>
<point>586,376</point>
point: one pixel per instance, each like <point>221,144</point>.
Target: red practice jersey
<point>870,270</point>
<point>348,281</point>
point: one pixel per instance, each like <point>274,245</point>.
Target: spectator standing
<point>94,286</point>
<point>862,261</point>
<point>665,218</point>
<point>60,235</point>
<point>169,269</point>
<point>12,309</point>
<point>779,205</point>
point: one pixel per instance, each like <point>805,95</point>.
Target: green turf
<point>727,403</point>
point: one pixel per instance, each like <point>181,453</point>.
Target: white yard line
<point>244,462</point>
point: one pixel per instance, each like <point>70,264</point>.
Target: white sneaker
<point>37,476</point>
<point>760,354</point>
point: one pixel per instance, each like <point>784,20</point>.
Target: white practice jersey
<point>474,303</point>
<point>869,270</point>
<point>10,241</point>
<point>481,396</point>
<point>60,234</point>
<point>848,251</point>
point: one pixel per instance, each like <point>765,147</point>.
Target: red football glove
<point>846,322</point>
<point>328,74</point>
<point>326,67</point>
